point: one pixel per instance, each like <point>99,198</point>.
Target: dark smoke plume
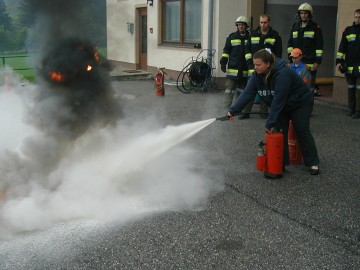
<point>74,84</point>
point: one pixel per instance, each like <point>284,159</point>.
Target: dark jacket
<point>285,91</point>
<point>257,41</point>
<point>309,40</point>
<point>234,54</point>
<point>349,49</point>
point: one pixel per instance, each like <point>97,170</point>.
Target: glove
<point>223,60</point>
<point>343,68</point>
<point>223,68</point>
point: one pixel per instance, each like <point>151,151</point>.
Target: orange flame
<point>88,68</point>
<point>56,76</point>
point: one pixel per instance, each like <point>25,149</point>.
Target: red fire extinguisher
<point>270,155</point>
<point>159,82</point>
<point>294,147</point>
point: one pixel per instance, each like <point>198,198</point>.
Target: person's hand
<point>223,68</point>
<point>230,116</point>
<point>316,66</point>
<point>267,130</point>
<point>338,66</point>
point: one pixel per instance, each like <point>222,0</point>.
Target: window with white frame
<point>181,22</point>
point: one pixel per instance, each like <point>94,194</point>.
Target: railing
<point>3,58</point>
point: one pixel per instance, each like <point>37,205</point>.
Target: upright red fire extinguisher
<point>270,158</point>
<point>159,82</point>
<point>294,147</point>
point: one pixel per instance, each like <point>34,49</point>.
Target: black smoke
<point>74,93</point>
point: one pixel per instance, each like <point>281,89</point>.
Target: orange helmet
<point>295,52</point>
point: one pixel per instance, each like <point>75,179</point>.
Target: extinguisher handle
<point>273,130</point>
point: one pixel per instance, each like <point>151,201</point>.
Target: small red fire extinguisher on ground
<point>159,82</point>
<point>270,158</point>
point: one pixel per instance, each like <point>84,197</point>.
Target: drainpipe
<point>210,30</point>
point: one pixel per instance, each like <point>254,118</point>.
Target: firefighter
<point>348,62</point>
<point>307,36</point>
<point>262,37</point>
<point>233,61</point>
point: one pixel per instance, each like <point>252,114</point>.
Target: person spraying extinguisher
<point>289,97</point>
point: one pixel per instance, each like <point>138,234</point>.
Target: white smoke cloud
<point>51,173</point>
<point>116,172</point>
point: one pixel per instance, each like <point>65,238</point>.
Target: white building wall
<point>122,45</point>
<point>168,56</point>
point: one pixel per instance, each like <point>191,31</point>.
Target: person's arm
<point>306,75</point>
<point>290,45</point>
<point>319,45</point>
<point>278,46</point>
<point>226,54</point>
<point>248,56</point>
<point>340,56</point>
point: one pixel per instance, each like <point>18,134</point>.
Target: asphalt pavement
<point>247,222</point>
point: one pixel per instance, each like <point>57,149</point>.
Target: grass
<point>21,63</point>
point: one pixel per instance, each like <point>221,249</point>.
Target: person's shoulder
<point>295,25</point>
<point>305,66</point>
<point>274,32</point>
<point>255,32</point>
<point>280,64</point>
<point>231,34</point>
<point>315,25</point>
<point>348,28</point>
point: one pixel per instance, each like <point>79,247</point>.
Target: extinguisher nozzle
<point>223,118</point>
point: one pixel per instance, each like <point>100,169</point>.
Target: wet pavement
<point>297,222</point>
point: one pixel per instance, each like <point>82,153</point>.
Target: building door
<point>142,49</point>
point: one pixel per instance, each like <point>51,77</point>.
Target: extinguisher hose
<point>225,118</point>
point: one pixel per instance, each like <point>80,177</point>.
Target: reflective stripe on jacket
<point>309,40</point>
<point>349,49</point>
<point>234,50</point>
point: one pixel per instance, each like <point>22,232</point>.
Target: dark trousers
<point>301,121</point>
<point>353,93</point>
<point>231,93</point>
<point>263,107</point>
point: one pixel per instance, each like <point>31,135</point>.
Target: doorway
<point>142,45</point>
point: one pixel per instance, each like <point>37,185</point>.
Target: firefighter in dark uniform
<point>348,62</point>
<point>262,37</point>
<point>307,36</point>
<point>233,61</point>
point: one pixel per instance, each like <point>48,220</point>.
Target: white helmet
<point>242,19</point>
<point>306,7</point>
